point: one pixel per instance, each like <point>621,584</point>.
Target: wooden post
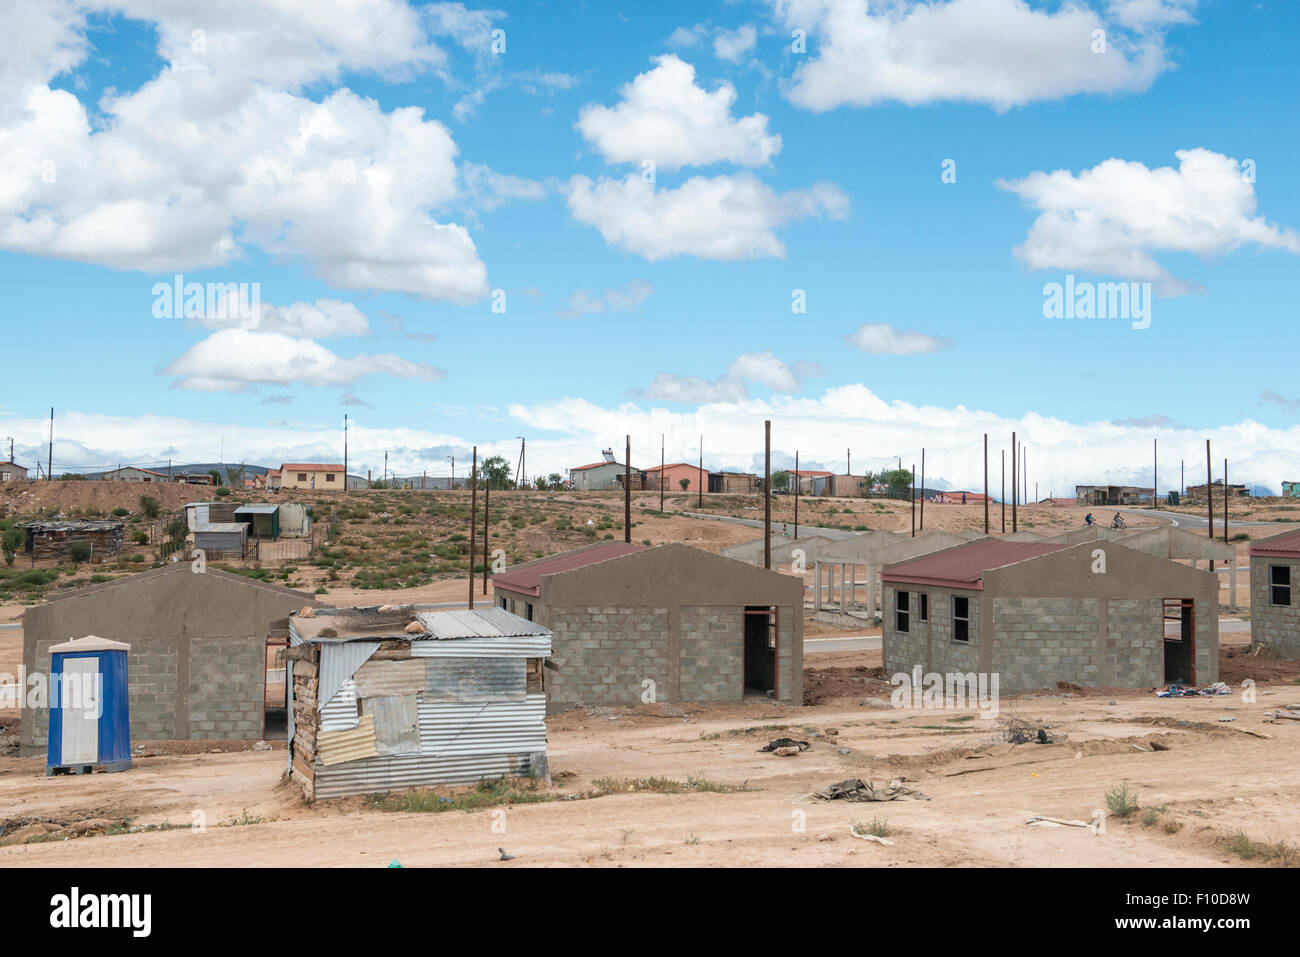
<point>986,483</point>
<point>487,520</point>
<point>1003,496</point>
<point>627,491</point>
<point>1209,495</point>
<point>767,494</point>
<point>923,490</point>
<point>473,518</point>
<point>914,500</point>
<point>1015,480</point>
<point>796,496</point>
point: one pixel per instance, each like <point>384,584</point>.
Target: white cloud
<point>723,217</point>
<point>487,189</point>
<point>233,360</point>
<point>1003,53</point>
<point>221,151</point>
<point>882,339</point>
<point>732,45</point>
<point>323,319</point>
<point>761,367</point>
<point>666,117</point>
<point>1115,218</point>
<point>584,303</point>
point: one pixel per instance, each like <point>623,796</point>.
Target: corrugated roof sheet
<point>527,579</point>
<point>221,527</point>
<point>964,566</point>
<point>1279,546</point>
<point>479,623</point>
<point>258,509</point>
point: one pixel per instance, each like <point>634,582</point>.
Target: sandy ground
<point>1213,781</point>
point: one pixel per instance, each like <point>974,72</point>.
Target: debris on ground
<point>855,789</point>
<point>863,836</point>
<point>504,855</point>
<point>1289,715</point>
<point>1209,691</point>
<point>1040,821</point>
<point>1017,731</point>
<point>781,743</point>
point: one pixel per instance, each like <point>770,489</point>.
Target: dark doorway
<point>1180,641</point>
<point>760,649</point>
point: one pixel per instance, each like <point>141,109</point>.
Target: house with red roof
<point>311,475</point>
<point>1097,614</point>
<point>1274,599</point>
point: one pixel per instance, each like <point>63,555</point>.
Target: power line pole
<point>986,483</point>
<point>1003,496</point>
<point>1225,508</point>
<point>627,492</point>
<point>848,468</point>
<point>1015,481</point>
<point>767,494</point>
<point>473,517</point>
<point>487,520</point>
<point>703,477</point>
<point>345,451</point>
<point>49,465</point>
<point>796,495</point>
<point>914,500</point>
<point>1155,472</point>
<point>923,490</point>
<point>1209,495</point>
<point>661,472</point>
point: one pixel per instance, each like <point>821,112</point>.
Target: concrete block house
<point>1275,593</point>
<point>1037,613</point>
<point>633,624</point>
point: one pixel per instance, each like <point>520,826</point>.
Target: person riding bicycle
<point>1117,521</point>
<point>1087,520</point>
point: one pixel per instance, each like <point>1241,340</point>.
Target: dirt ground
<point>226,805</point>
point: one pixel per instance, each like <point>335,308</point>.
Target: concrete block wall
<point>1277,626</point>
<point>604,653</point>
<point>226,688</point>
<point>712,658</point>
<point>929,643</point>
<point>1040,641</point>
<point>1135,651</point>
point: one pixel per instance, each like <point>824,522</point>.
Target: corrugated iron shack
<point>54,539</point>
<point>222,540</point>
<point>264,520</point>
<point>403,696</point>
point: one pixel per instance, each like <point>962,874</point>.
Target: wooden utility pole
<point>49,465</point>
<point>662,474</point>
<point>627,491</point>
<point>1209,495</point>
<point>487,520</point>
<point>1015,480</point>
<point>703,478</point>
<point>345,451</point>
<point>1024,474</point>
<point>767,494</point>
<point>986,483</point>
<point>473,517</point>
<point>914,500</point>
<point>923,490</point>
<point>848,468</point>
<point>796,495</point>
<point>1155,473</point>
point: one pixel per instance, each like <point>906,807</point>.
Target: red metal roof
<point>963,566</point>
<point>674,465</point>
<point>595,465</point>
<point>806,473</point>
<point>1286,545</point>
<point>527,579</point>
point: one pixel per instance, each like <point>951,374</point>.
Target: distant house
<point>9,472</point>
<point>129,473</point>
<point>311,475</point>
<point>1113,494</point>
<point>602,476</point>
<point>960,498</point>
<point>804,479</point>
<point>834,486</point>
<point>673,475</point>
<point>194,478</point>
<point>734,483</point>
<point>1200,491</point>
<point>1289,489</point>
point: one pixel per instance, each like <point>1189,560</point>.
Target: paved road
<point>1181,519</point>
<point>14,626</point>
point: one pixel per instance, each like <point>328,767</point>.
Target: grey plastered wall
<point>929,643</point>
<point>1277,626</point>
<point>673,615</point>
<point>196,666</point>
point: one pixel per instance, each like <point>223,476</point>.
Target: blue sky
<point>277,146</point>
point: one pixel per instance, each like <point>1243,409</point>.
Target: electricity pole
<point>767,494</point>
<point>986,483</point>
<point>473,517</point>
<point>923,490</point>
<point>661,472</point>
<point>345,451</point>
<point>627,492</point>
<point>796,496</point>
<point>703,477</point>
<point>914,500</point>
<point>1015,483</point>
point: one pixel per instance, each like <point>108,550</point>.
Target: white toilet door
<point>79,703</point>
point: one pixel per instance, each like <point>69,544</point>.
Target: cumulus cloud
<point>753,367</point>
<point>1003,53</point>
<point>233,360</point>
<point>733,45</point>
<point>585,303</point>
<point>221,150</point>
<point>723,217</point>
<point>665,116</point>
<point>1115,218</point>
<point>882,339</point>
<point>323,319</point>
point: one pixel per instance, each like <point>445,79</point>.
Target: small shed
<point>407,696</point>
<point>90,719</point>
<point>222,540</point>
<point>263,520</point>
<point>55,539</point>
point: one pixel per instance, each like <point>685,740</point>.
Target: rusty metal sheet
<point>375,679</point>
<point>396,722</point>
<point>338,747</point>
<point>475,679</point>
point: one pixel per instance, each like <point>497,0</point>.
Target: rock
<point>786,752</point>
<point>414,628</point>
<point>875,703</point>
<point>92,824</point>
<point>307,612</point>
<point>261,746</point>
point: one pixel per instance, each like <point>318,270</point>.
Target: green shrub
<point>120,511</point>
<point>79,551</point>
<point>151,507</point>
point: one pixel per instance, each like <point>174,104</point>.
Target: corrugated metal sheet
<point>461,728</point>
<point>964,566</point>
<point>478,623</point>
<point>378,678</point>
<point>475,679</point>
<point>337,747</point>
<point>340,712</point>
<point>394,772</point>
<point>338,663</point>
<point>396,723</point>
<point>526,579</point>
<point>538,646</point>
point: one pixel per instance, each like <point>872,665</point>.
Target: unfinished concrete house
<point>798,554</point>
<point>632,625</point>
<point>1180,545</point>
<point>1037,613</point>
<point>837,588</point>
<point>1274,599</point>
<point>199,648</point>
<point>408,696</point>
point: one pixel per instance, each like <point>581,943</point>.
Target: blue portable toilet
<point>90,707</point>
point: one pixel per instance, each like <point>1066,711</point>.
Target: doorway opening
<point>1180,641</point>
<point>761,627</point>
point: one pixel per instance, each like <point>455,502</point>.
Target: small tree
<point>216,476</point>
<point>780,480</point>
<point>79,551</point>
<point>151,507</point>
<point>9,543</point>
<point>684,483</point>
